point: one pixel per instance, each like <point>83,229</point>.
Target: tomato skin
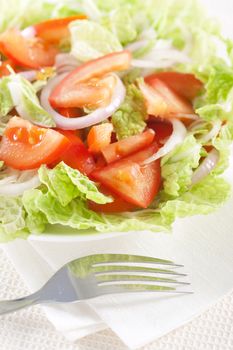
<point>127,146</point>
<point>117,206</point>
<point>130,179</point>
<point>77,155</point>
<point>92,69</point>
<point>70,112</point>
<point>162,128</point>
<point>55,30</point>
<point>26,146</point>
<point>31,53</point>
<point>186,85</point>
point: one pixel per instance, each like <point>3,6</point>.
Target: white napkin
<point>204,244</point>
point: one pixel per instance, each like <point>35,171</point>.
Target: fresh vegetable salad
<point>114,115</point>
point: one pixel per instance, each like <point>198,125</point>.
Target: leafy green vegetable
<point>121,23</point>
<point>12,218</point>
<point>90,40</point>
<point>65,184</point>
<point>178,165</point>
<point>129,119</point>
<point>203,198</point>
<point>6,103</point>
<point>24,95</point>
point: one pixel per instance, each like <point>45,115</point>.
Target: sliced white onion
<point>14,182</point>
<point>176,138</point>
<point>30,75</point>
<point>65,62</point>
<point>95,117</point>
<point>208,164</point>
<point>213,132</point>
<point>29,32</point>
<point>216,126</point>
<point>137,45</point>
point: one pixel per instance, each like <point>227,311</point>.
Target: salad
<point>114,115</point>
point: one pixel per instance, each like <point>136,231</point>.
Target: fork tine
<point>134,278</point>
<point>117,258</point>
<point>103,269</point>
<point>136,288</point>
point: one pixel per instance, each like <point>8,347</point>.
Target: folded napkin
<point>204,244</point>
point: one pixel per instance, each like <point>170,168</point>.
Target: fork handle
<point>7,306</point>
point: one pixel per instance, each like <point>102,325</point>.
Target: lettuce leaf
<point>24,96</point>
<point>6,103</point>
<point>177,166</point>
<point>65,184</point>
<point>203,198</point>
<point>121,23</point>
<point>129,119</point>
<point>91,40</point>
<point>12,219</point>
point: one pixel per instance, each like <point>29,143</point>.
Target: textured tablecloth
<point>30,330</point>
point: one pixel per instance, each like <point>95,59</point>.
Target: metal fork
<point>100,274</point>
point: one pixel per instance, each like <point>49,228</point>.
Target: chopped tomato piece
<point>163,101</point>
<point>77,155</point>
<point>69,92</point>
<point>130,179</point>
<point>55,30</point>
<point>127,146</point>
<point>163,129</point>
<point>26,146</point>
<point>117,206</point>
<point>186,85</point>
<point>31,53</point>
<point>99,137</point>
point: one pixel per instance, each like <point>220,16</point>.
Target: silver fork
<point>100,274</point>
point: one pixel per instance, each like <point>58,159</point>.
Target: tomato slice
<point>130,179</point>
<point>163,129</point>
<point>31,53</point>
<point>186,85</point>
<point>71,90</point>
<point>127,146</point>
<point>99,137</point>
<point>55,30</point>
<point>26,146</point>
<point>163,101</point>
<point>117,206</point>
<point>77,155</point>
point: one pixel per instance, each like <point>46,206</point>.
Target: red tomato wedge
<point>133,182</point>
<point>117,206</point>
<point>55,30</point>
<point>99,137</point>
<point>186,85</point>
<point>163,129</point>
<point>30,53</point>
<point>26,146</point>
<point>67,93</point>
<point>127,146</point>
<point>77,155</point>
<point>163,101</point>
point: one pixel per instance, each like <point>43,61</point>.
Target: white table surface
<point>30,330</point>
